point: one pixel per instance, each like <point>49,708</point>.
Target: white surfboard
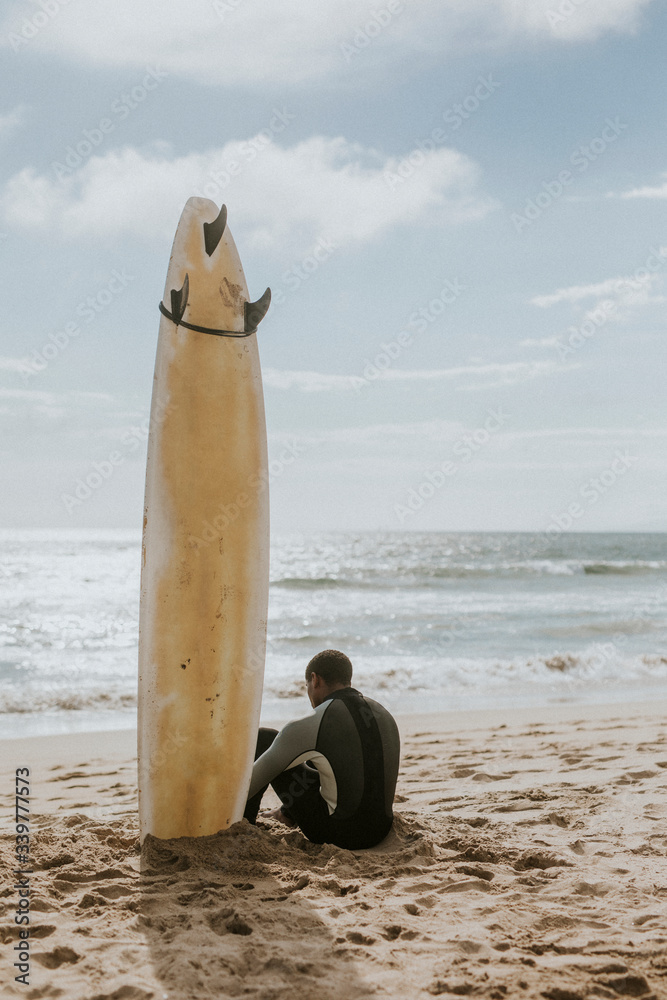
<point>205,563</point>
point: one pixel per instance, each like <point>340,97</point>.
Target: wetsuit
<point>344,793</point>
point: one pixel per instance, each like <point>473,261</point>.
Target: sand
<point>528,859</point>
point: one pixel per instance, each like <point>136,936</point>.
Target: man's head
<point>327,672</point>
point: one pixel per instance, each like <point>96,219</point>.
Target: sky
<point>460,208</point>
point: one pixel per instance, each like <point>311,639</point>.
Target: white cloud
<point>573,20</point>
<point>305,381</point>
<point>13,364</point>
<point>514,373</point>
<point>585,433</point>
<point>616,297</point>
<point>577,293</point>
<point>659,191</point>
<point>321,187</point>
<point>539,342</point>
<point>12,120</point>
<point>26,411</point>
<point>388,437</point>
<point>255,42</point>
<point>432,431</point>
<point>491,375</point>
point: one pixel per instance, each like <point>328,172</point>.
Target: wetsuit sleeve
<point>291,743</point>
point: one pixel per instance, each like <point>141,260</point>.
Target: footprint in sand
<point>89,900</point>
<point>539,860</point>
<point>126,993</point>
<point>428,901</point>
<point>54,959</point>
<point>56,861</point>
<point>475,872</point>
<point>115,891</point>
<point>591,888</point>
<point>356,937</point>
<point>228,921</point>
<point>518,805</point>
<point>485,776</point>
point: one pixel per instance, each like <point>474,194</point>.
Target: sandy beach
<point>527,859</point>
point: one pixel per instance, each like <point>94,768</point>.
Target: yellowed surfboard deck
<point>205,563</point>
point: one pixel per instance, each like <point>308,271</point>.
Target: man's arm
<point>293,744</point>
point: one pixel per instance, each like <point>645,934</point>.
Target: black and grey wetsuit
<point>344,794</point>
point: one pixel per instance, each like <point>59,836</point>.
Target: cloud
<point>26,412</point>
<point>585,433</point>
<point>451,430</point>
<point>539,342</point>
<point>644,192</point>
<point>573,20</point>
<point>14,119</point>
<point>306,381</point>
<point>13,364</point>
<point>617,297</point>
<point>491,375</point>
<point>577,293</point>
<point>342,192</point>
<point>387,436</point>
<point>257,42</point>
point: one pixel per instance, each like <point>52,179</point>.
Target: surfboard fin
<point>254,312</point>
<point>213,231</point>
<point>179,300</point>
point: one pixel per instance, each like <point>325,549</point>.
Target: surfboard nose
<point>205,279</point>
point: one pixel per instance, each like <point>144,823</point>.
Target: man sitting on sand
<point>334,770</point>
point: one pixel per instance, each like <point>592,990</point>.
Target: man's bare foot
<point>281,817</point>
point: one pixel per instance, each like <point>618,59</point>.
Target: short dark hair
<point>332,666</point>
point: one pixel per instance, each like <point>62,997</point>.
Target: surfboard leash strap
<point>203,329</point>
<point>253,313</point>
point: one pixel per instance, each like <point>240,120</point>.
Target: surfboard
<point>205,557</point>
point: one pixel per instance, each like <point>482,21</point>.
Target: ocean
<point>431,621</point>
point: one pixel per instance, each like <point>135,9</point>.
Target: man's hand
<point>281,817</point>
